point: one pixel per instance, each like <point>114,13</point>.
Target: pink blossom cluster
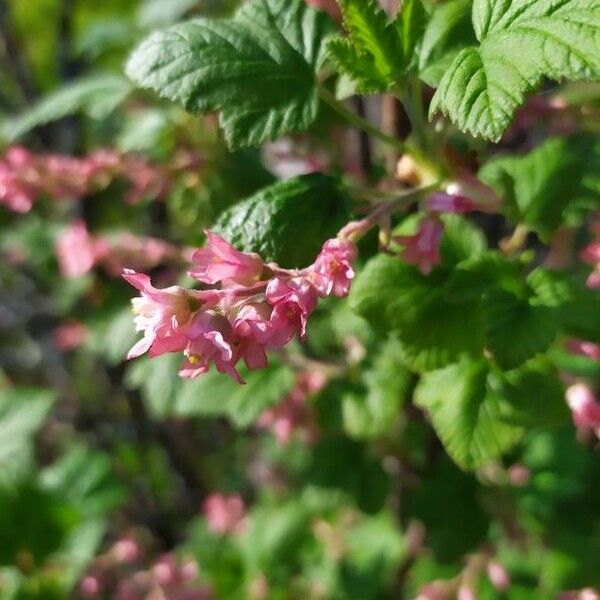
<point>585,408</point>
<point>224,514</point>
<point>78,251</point>
<point>70,335</point>
<point>166,578</point>
<point>118,573</point>
<point>294,414</point>
<point>253,306</point>
<point>25,176</point>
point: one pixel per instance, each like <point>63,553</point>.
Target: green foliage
<point>517,328</point>
<point>374,413</point>
<point>377,53</point>
<point>258,68</point>
<point>449,30</point>
<point>485,84</point>
<point>96,96</point>
<point>22,412</point>
<point>545,186</point>
<point>466,413</point>
<point>433,330</point>
<point>287,222</point>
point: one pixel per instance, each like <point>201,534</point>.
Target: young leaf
<point>449,30</point>
<point>258,69</point>
<point>465,414</point>
<point>540,186</point>
<point>519,45</point>
<point>377,52</point>
<point>517,329</point>
<point>287,222</point>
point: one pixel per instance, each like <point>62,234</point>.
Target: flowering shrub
<point>361,243</point>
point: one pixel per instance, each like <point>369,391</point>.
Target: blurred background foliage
<point>95,452</point>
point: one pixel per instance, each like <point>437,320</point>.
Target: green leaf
<point>517,329</point>
<point>576,304</point>
<point>287,222</point>
<point>474,276</point>
<point>257,69</point>
<point>466,414</point>
<point>532,395</point>
<point>539,187</point>
<point>519,46</point>
<point>22,413</point>
<point>374,414</point>
<point>433,331</point>
<point>96,95</point>
<point>377,52</point>
<point>449,30</point>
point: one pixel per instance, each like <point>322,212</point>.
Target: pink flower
<point>292,300</point>
<point>209,341</point>
<point>591,253</point>
<point>518,475</point>
<point>583,348</point>
<point>593,281</point>
<point>423,248</point>
<point>76,250</point>
<point>160,314</point>
<point>220,261</point>
<point>224,514</point>
<point>441,202</point>
<point>584,406</point>
<point>70,335</point>
<point>498,575</point>
<point>251,328</point>
<point>334,266</point>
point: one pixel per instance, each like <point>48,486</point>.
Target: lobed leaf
<point>257,69</point>
<point>520,44</point>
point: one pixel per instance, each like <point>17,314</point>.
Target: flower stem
<point>356,120</point>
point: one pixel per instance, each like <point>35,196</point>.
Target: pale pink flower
<point>210,338</point>
<point>90,587</point>
<point>292,300</point>
<point>441,202</point>
<point>224,514</point>
<point>76,250</point>
<point>435,590</point>
<point>423,248</point>
<point>70,335</point>
<point>334,267</point>
<point>585,408</point>
<point>518,475</point>
<point>583,348</point>
<point>593,281</point>
<point>252,331</point>
<point>466,592</point>
<point>160,315</point>
<point>126,550</point>
<point>498,575</point>
<point>220,261</point>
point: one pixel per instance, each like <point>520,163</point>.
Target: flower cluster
<point>585,408</point>
<point>224,514</point>
<point>251,308</point>
<point>78,251</point>
<point>166,578</point>
<point>293,413</point>
<point>25,176</point>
